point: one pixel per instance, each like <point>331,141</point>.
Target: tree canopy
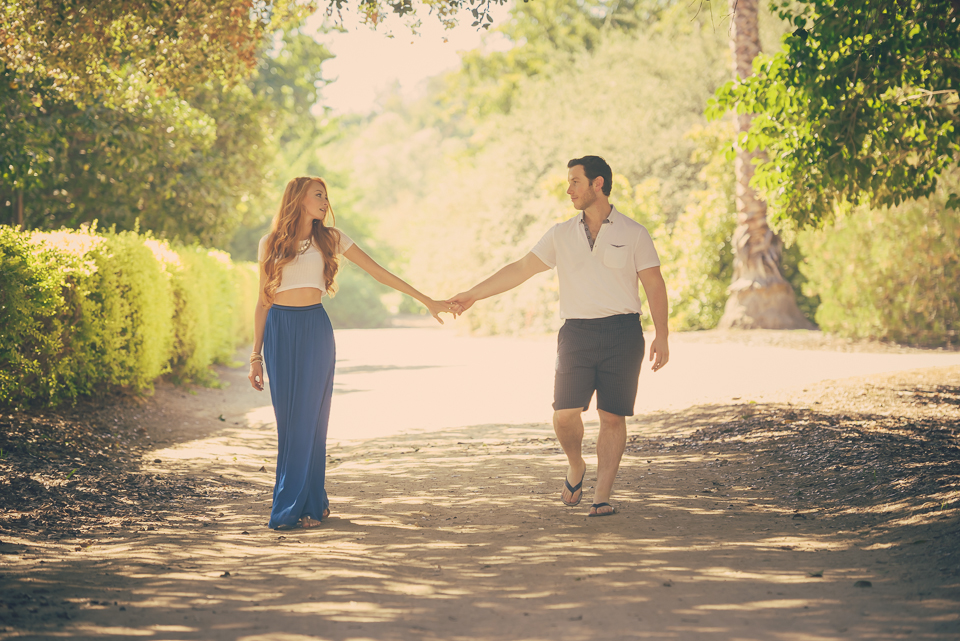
<point>116,50</point>
<point>167,113</point>
<point>859,105</point>
<point>164,113</point>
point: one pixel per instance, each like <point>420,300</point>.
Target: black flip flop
<point>573,490</point>
<point>597,506</point>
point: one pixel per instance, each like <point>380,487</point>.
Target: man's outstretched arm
<point>507,278</point>
<point>656,291</point>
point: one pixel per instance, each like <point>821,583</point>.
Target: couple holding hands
<point>600,255</point>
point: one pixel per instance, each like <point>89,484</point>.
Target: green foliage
<point>183,154</point>
<point>132,310</point>
<point>108,325</point>
<point>697,255</point>
<point>889,273</point>
<point>546,36</point>
<point>859,104</point>
<point>178,167</point>
<point>696,251</point>
<point>791,261</point>
<point>289,78</point>
<point>208,311</point>
<point>375,12</point>
<point>78,49</point>
<point>84,313</point>
<point>30,301</point>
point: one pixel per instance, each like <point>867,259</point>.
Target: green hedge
<point>889,274</point>
<point>86,312</point>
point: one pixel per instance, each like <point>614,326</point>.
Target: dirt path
<point>825,512</point>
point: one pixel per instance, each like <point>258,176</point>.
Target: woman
<point>298,263</point>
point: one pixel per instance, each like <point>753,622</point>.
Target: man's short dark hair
<point>594,166</point>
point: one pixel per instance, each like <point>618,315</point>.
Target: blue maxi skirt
<point>299,354</point>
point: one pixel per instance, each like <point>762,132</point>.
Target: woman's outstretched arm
<point>382,275</point>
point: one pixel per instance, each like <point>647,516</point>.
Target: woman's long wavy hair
<point>282,245</point>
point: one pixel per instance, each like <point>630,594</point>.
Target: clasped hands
<point>456,305</point>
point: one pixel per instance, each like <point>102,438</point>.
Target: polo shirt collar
<point>608,219</point>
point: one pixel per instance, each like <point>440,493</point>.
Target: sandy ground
<point>445,478</point>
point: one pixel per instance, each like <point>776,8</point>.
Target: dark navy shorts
<point>602,355</point>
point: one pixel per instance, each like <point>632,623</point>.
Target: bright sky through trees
<point>368,62</point>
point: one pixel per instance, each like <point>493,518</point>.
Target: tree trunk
<point>20,209</point>
<point>760,298</point>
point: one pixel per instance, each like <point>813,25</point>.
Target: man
<point>599,255</point>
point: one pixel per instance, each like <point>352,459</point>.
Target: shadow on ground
<point>834,516</point>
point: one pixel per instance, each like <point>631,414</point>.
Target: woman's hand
<point>435,307</point>
<point>256,375</point>
<point>462,302</point>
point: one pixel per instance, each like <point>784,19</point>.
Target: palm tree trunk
<point>760,298</point>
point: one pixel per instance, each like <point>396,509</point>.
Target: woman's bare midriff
<point>299,297</point>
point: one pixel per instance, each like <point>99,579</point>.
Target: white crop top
<point>306,269</point>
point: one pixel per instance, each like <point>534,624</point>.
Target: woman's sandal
<point>308,522</point>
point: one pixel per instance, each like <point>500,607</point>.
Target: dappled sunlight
<point>286,636</point>
<point>260,416</point>
<point>436,516</point>
<point>76,242</point>
<point>446,534</point>
<point>767,605</point>
<point>111,631</point>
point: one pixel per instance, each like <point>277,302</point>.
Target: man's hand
<point>659,352</point>
<point>462,302</point>
<point>507,278</point>
<point>436,307</point>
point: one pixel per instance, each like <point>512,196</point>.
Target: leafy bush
<point>133,310</point>
<point>208,312</point>
<point>889,274</point>
<point>30,327</point>
<point>83,313</point>
<point>115,328</point>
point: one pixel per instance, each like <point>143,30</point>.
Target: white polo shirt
<point>600,282</point>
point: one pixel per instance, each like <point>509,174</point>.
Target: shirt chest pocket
<point>615,257</point>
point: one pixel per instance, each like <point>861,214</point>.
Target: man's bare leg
<point>611,442</point>
<point>568,426</point>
